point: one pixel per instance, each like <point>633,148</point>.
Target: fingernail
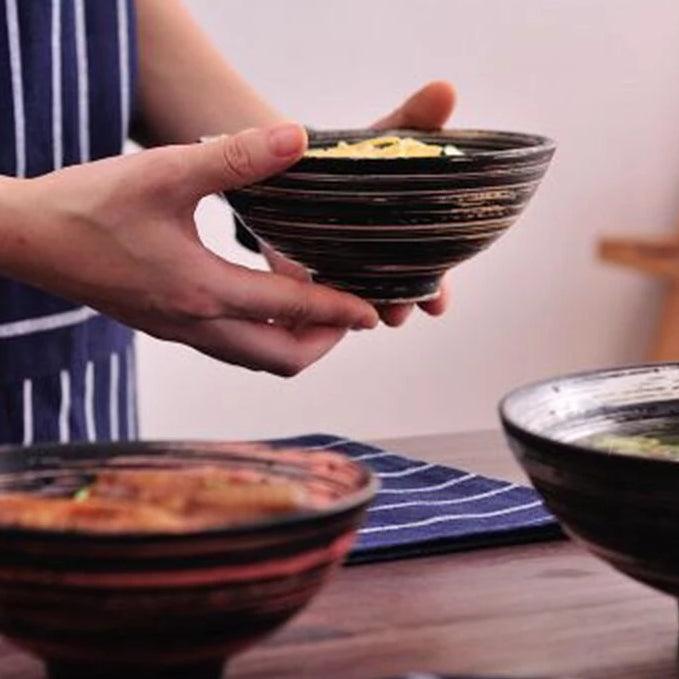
<point>286,139</point>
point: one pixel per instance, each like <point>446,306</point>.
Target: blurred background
<point>600,76</point>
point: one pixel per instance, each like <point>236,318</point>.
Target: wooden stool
<point>656,256</point>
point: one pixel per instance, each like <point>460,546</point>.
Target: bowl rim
<point>512,427</point>
<point>355,501</point>
<point>540,143</point>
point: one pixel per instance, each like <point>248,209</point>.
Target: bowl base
<point>385,289</point>
<point>67,670</point>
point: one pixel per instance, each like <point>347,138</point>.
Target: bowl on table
<point>387,229</point>
<point>168,604</point>
<point>601,448</point>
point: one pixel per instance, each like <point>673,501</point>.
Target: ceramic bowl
<point>167,605</point>
<point>624,509</point>
<point>387,229</point>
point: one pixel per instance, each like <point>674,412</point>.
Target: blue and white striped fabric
<point>425,508</point>
<point>427,675</point>
<point>67,73</point>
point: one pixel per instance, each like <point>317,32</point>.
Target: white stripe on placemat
<point>28,326</point>
<point>405,472</point>
<point>90,424</point>
<point>440,503</point>
<point>57,128</point>
<point>65,407</point>
<point>14,39</point>
<point>373,456</point>
<point>28,412</point>
<point>427,489</point>
<point>114,384</point>
<point>449,517</point>
<point>83,81</point>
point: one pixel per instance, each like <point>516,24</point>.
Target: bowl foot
<point>65,670</point>
<point>385,289</point>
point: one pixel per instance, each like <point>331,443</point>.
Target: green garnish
<point>82,494</point>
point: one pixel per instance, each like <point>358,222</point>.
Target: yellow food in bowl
<point>385,147</point>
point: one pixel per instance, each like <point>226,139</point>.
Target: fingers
<point>427,109</point>
<point>230,162</point>
<point>258,346</point>
<point>238,292</point>
<point>395,315</point>
<point>438,305</point>
<point>299,303</point>
<point>280,264</point>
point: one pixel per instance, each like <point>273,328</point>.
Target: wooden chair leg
<point>657,256</point>
<point>665,342</point>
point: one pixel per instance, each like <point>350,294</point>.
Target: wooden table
<point>544,609</point>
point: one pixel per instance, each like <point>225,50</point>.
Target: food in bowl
<point>166,500</point>
<point>385,147</point>
<point>661,445</point>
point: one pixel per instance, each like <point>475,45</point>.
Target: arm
<point>186,88</point>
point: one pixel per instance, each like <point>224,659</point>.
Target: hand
<point>119,235</point>
<point>427,109</point>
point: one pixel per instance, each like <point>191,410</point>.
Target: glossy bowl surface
<point>624,508</point>
<point>388,229</point>
<point>168,604</point>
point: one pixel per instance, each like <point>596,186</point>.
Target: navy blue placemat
<point>424,508</point>
<point>427,675</point>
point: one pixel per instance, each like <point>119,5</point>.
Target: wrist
<point>14,209</point>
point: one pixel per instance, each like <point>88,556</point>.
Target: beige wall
<point>601,76</point>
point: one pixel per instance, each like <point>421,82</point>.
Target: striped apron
<point>67,70</point>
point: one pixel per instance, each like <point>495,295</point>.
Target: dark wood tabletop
<point>538,610</point>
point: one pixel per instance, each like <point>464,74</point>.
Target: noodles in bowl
<point>385,147</point>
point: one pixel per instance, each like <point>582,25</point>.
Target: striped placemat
<point>424,508</point>
<point>427,675</point>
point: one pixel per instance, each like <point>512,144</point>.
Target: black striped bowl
<point>387,229</point>
<point>624,509</point>
<point>167,605</point>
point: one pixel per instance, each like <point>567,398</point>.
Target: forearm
<point>186,88</point>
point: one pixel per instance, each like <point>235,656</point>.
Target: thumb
<point>427,109</point>
<point>231,162</point>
